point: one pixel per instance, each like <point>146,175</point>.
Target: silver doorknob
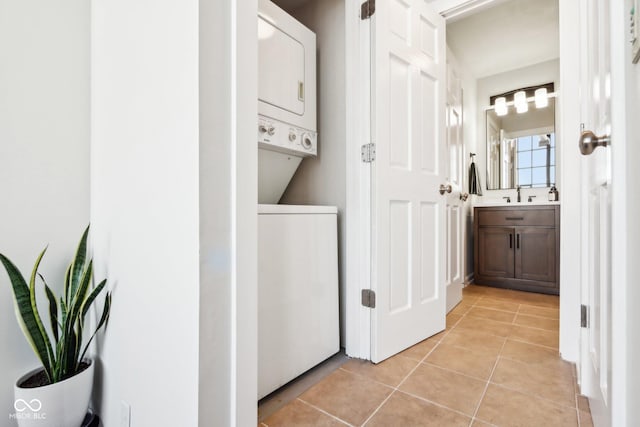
<point>589,142</point>
<point>445,188</point>
<point>464,196</point>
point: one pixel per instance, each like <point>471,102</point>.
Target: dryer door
<point>281,60</point>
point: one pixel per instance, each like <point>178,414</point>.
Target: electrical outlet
<point>125,414</point>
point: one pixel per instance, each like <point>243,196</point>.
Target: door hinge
<point>584,320</point>
<point>368,153</point>
<point>368,298</point>
<point>367,9</point>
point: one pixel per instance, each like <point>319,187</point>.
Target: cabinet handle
<point>518,241</point>
<point>510,241</point>
<point>514,218</point>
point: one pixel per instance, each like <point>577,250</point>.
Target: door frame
<point>358,184</point>
<point>358,194</point>
<point>571,258</point>
<point>357,317</point>
<point>621,206</point>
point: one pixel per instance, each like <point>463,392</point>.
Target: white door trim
<point>568,130</point>
<point>621,398</point>
<point>228,91</point>
<point>358,202</point>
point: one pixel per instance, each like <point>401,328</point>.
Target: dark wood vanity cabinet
<point>517,247</point>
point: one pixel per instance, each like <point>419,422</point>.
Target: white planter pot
<point>63,404</point>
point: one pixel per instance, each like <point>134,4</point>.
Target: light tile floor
<point>496,364</point>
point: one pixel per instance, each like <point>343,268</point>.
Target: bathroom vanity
<point>518,247</point>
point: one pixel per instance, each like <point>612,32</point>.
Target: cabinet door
<point>536,254</point>
<point>495,251</point>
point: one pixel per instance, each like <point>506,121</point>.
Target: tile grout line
<point>431,402</point>
<point>421,361</point>
<point>529,394</point>
<point>363,376</point>
<point>375,411</point>
<point>486,387</point>
<point>324,412</point>
<point>512,322</point>
<point>397,388</point>
<point>478,298</point>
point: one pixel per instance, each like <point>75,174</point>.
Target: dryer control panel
<point>279,136</point>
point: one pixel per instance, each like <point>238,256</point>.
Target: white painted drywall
<point>469,114</point>
<point>145,207</point>
<point>544,72</point>
<point>322,180</point>
<point>44,154</point>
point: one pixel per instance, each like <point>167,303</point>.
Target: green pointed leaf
<point>104,320</point>
<point>63,312</point>
<point>62,360</point>
<point>67,285</point>
<point>53,311</point>
<point>86,305</point>
<point>78,265</point>
<point>81,292</point>
<point>34,306</point>
<point>25,314</point>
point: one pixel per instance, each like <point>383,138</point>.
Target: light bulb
<point>520,100</point>
<point>541,97</point>
<point>500,106</point>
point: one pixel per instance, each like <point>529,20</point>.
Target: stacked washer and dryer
<point>297,245</point>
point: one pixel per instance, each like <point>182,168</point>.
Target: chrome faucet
<point>519,200</point>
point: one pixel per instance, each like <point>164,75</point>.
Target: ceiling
<point>511,35</point>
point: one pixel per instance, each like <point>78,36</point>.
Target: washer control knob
<point>306,142</point>
<point>271,130</point>
<point>292,136</point>
<point>262,128</point>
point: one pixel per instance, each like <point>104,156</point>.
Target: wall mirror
<point>521,140</point>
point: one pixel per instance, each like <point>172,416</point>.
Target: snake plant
<point>60,350</point>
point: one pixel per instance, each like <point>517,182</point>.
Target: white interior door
<point>454,276</point>
<point>596,211</point>
<point>408,212</point>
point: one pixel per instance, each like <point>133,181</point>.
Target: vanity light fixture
<point>520,101</point>
<point>541,97</point>
<point>501,106</point>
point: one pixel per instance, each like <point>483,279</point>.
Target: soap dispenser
<point>553,193</point>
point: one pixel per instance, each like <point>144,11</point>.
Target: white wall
<point>144,207</point>
<point>44,154</point>
<point>471,144</point>
<point>544,72</point>
<point>322,180</point>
